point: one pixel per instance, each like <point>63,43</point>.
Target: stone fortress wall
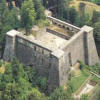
<point>34,54</point>
<point>54,64</point>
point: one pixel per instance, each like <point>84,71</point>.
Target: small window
<point>68,28</point>
<point>63,26</point>
<point>42,51</point>
<point>31,65</point>
<point>42,61</point>
<point>70,59</point>
<point>35,48</point>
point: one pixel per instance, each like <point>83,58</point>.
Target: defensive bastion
<point>53,50</point>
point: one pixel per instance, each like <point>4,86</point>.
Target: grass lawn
<point>76,82</point>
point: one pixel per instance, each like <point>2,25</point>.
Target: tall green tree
<point>4,22</point>
<point>10,92</point>
<point>10,5</point>
<point>28,15</point>
<point>34,94</point>
<point>95,17</point>
<point>19,3</point>
<point>97,31</point>
<point>72,15</point>
<point>39,9</point>
<point>61,94</point>
<point>14,84</point>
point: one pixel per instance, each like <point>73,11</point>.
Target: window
<point>68,28</point>
<point>35,48</point>
<point>70,59</point>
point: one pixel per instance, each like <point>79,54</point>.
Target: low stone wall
<point>58,34</point>
<point>64,24</point>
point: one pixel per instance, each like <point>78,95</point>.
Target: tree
<point>28,15</point>
<point>35,79</point>
<point>97,31</point>
<point>72,15</point>
<point>95,17</point>
<point>83,17</point>
<point>61,4</point>
<point>14,84</point>
<point>39,9</point>
<point>10,92</point>
<point>32,74</point>
<point>41,82</point>
<point>61,94</point>
<point>45,3</point>
<point>10,5</point>
<point>15,22</point>
<point>8,21</point>
<point>19,3</point>
<point>34,94</point>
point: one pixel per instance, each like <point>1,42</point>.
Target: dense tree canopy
<point>15,84</point>
<point>28,15</point>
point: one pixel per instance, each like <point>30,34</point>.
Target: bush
<point>41,82</point>
<point>36,95</point>
<point>61,94</point>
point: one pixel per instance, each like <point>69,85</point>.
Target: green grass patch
<point>76,82</point>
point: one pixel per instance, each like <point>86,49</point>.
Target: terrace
<point>55,36</point>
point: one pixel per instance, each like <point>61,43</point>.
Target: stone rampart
<point>58,34</point>
<point>30,52</point>
<point>54,64</point>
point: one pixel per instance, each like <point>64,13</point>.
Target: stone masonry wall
<point>73,52</point>
<point>81,47</point>
<point>30,53</point>
<point>41,59</point>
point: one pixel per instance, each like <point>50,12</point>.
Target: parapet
<point>12,33</point>
<point>64,24</point>
<point>87,28</point>
<point>58,53</point>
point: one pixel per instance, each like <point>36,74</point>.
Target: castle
<point>53,50</point>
